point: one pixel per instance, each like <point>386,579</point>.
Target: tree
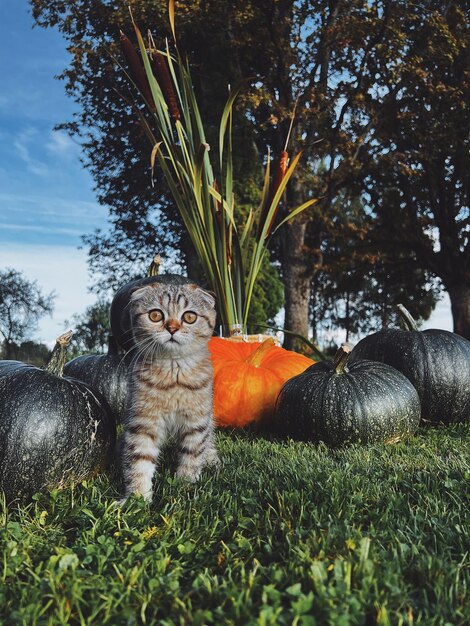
<point>363,299</point>
<point>226,42</point>
<point>320,52</point>
<point>90,329</point>
<point>359,284</point>
<point>322,59</point>
<point>417,172</point>
<point>143,217</point>
<point>22,304</point>
<point>29,352</point>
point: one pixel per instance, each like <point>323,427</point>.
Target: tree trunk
<point>297,283</point>
<point>193,266</point>
<point>460,303</point>
<point>7,350</point>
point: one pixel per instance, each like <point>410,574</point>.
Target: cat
<point>170,382</point>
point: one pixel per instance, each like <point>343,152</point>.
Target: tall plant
<point>230,254</point>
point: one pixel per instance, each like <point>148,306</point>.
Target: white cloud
<point>441,317</point>
<point>59,269</point>
<point>62,145</point>
<point>51,205</point>
<point>22,144</point>
<point>52,215</point>
<point>35,228</point>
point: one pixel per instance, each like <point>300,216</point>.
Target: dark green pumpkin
<point>119,314</point>
<point>107,373</point>
<point>437,362</point>
<point>340,403</point>
<point>54,430</point>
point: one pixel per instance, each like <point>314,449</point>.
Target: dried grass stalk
<point>136,70</point>
<point>162,74</point>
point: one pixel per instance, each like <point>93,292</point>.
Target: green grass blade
<point>253,550</point>
<point>295,212</point>
<point>159,100</point>
<point>314,348</point>
<point>267,218</point>
<point>262,207</point>
<point>226,113</point>
<point>247,229</point>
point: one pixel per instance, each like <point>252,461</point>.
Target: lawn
<point>283,533</point>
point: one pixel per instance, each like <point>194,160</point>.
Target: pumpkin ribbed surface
<point>53,430</point>
<point>368,402</point>
<point>248,378</point>
<point>107,373</point>
<point>437,362</point>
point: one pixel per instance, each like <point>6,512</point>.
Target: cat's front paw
<point>146,497</point>
<point>212,460</point>
<point>190,474</point>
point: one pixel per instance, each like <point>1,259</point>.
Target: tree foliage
<point>90,329</point>
<point>360,283</point>
<point>22,304</point>
<point>29,351</point>
<point>380,91</point>
<point>364,297</point>
<point>417,171</point>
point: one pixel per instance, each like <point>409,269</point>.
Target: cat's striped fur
<point>171,383</point>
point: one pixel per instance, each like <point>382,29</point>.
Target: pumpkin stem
<point>340,362</point>
<point>56,363</point>
<point>154,267</point>
<point>406,317</point>
<point>258,355</point>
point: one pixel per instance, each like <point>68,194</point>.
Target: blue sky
<point>46,196</point>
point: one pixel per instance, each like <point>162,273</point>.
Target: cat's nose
<point>172,326</point>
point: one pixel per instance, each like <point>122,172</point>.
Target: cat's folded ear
<point>208,297</point>
<point>138,292</point>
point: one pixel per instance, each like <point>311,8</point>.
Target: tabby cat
<point>171,382</point>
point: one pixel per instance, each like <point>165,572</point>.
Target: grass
<point>283,533</point>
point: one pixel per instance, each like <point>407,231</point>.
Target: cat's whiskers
<point>150,352</point>
<point>142,349</point>
<point>128,353</point>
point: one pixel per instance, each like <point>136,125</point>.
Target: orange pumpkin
<point>248,378</point>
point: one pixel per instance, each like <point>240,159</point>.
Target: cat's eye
<point>189,317</point>
<point>155,315</point>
